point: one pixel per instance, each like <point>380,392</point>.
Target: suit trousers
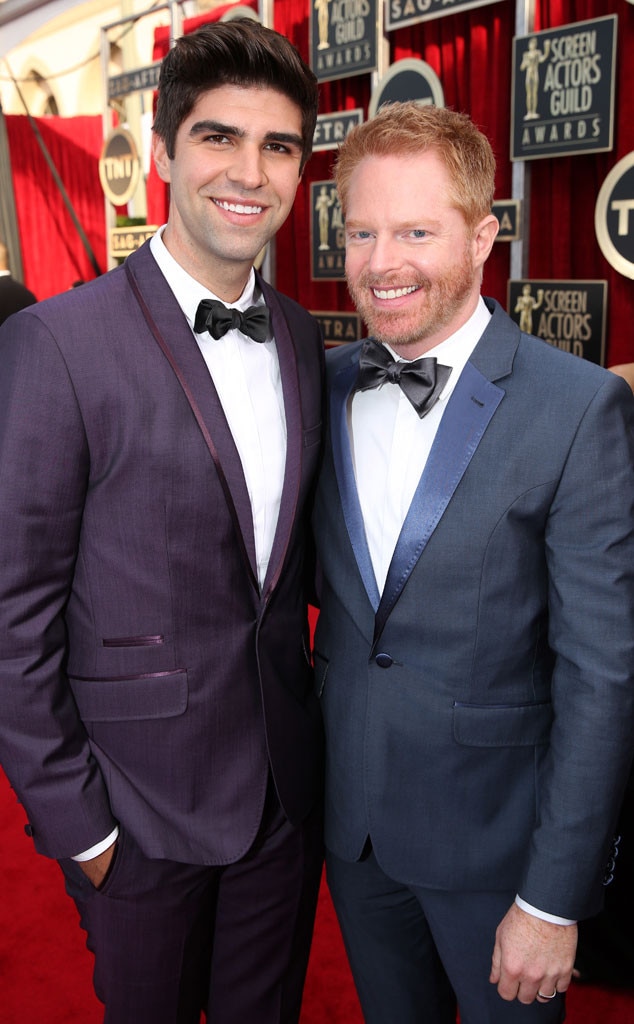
<point>411,948</point>
<point>171,940</point>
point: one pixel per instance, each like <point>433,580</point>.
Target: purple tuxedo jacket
<point>145,678</point>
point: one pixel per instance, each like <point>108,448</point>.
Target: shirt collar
<point>189,292</point>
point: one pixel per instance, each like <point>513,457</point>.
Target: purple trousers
<point>171,940</point>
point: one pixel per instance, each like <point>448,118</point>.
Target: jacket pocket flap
<point>128,699</point>
<point>502,725</point>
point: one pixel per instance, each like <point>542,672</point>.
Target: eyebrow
<point>218,128</point>
<point>417,225</point>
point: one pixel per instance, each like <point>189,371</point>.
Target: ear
<point>484,237</point>
<point>161,160</point>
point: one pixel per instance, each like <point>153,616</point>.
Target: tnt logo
<point>614,217</point>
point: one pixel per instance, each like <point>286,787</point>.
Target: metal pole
<point>524,24</point>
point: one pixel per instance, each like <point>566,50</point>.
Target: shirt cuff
<point>552,918</point>
<point>94,851</point>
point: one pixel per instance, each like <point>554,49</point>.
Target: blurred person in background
<point>13,294</point>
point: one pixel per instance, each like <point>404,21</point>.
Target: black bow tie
<point>213,316</point>
<point>422,380</point>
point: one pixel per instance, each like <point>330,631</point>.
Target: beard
<point>438,303</point>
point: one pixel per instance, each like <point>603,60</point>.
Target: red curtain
<point>564,190</point>
<point>471,54</point>
<point>53,254</point>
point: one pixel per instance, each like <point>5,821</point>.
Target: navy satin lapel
<point>344,470</point>
<point>462,426</point>
<point>294,435</point>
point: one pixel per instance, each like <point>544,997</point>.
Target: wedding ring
<point>546,997</point>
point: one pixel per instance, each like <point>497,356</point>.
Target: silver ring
<point>541,994</point>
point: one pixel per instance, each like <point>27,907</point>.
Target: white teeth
<point>237,207</point>
<point>394,293</point>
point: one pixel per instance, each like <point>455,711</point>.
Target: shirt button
<point>383,660</point>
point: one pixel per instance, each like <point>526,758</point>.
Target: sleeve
<point>44,468</point>
<point>589,543</point>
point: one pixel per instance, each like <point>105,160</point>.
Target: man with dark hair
<point>13,294</point>
<point>159,433</point>
<point>475,647</point>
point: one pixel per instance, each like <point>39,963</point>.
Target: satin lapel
<point>159,307</point>
<point>340,388</point>
<point>294,436</point>
<point>462,426</point>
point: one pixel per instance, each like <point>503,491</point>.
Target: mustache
<point>387,281</point>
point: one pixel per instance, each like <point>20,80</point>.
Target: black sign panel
<point>408,12</point>
<point>567,314</point>
<point>331,129</point>
<point>507,212</point>
<point>563,90</point>
<point>134,81</point>
<point>614,217</point>
<point>343,38</point>
<point>126,240</point>
<point>327,240</point>
<point>408,79</point>
<point>338,328</point>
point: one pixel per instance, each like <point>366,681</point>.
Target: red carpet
<point>45,969</point>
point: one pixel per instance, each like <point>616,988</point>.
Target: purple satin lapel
<point>294,433</point>
<point>189,367</point>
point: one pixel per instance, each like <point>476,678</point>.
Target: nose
<point>247,167</point>
<point>384,255</point>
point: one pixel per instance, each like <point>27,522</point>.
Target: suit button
<point>383,660</point>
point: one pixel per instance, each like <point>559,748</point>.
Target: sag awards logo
<point>569,315</point>
<point>563,90</point>
<point>327,233</point>
<point>343,37</point>
<point>347,19</point>
<point>527,304</point>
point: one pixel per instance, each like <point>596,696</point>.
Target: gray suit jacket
<point>480,713</point>
<point>144,678</point>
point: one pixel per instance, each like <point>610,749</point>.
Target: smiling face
<point>413,268</point>
<point>233,180</point>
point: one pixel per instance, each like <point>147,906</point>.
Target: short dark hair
<point>240,52</point>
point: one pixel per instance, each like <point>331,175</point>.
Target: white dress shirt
<point>391,443</point>
<point>390,446</point>
<point>246,375</point>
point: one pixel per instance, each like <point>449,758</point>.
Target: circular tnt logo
<point>614,217</point>
<point>408,79</point>
<point>119,167</point>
